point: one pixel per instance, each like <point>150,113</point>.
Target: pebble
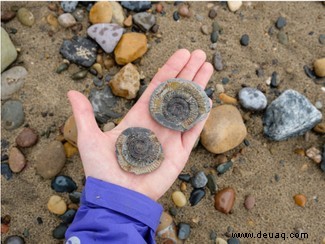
<point>289,115</point>
<point>281,22</point>
<point>212,13</point>
<point>159,8</point>
<point>52,20</point>
<point>223,168</point>
<point>130,47</point>
<point>69,6</point>
<point>234,5</point>
<point>27,138</point>
<point>275,80</point>
<point>12,114</point>
<point>320,128</point>
<point>214,36</point>
<point>62,67</point>
<point>205,29</point>
<point>70,132</point>
<point>75,197</point>
<point>216,27</point>
<point>176,16</point>
<point>314,154</point>
<point>184,177</point>
<point>106,35</point>
<point>59,231</point>
<point>300,200</point>
<point>66,20</point>
<point>155,28</point>
<point>126,83</point>
<point>199,180</point>
<point>220,241</point>
<point>252,99</point>
<point>209,92</point>
<point>79,75</point>
<point>184,231</point>
<point>225,199</point>
<point>318,105</point>
<point>14,240</point>
<point>309,72</point>
<point>183,10</point>
<point>183,187</point>
<point>128,21</point>
<point>103,103</point>
<point>227,99</point>
<point>25,17</point>
<point>57,205</point>
<point>50,159</point>
<point>68,216</point>
<point>8,51</point>
<point>283,38</point>
<point>79,50</point>
<point>4,228</point>
<point>108,126</point>
<point>166,229</point>
<point>322,164</point>
<point>118,13</point>
<point>220,88</point>
<point>233,240</point>
<point>249,202</point>
<point>7,15</point>
<point>17,161</point>
<point>212,185</point>
<point>179,198</point>
<point>144,20</point>
<point>101,12</point>
<point>322,39</point>
<point>244,40</point>
<point>136,6</point>
<point>63,183</point>
<point>196,196</point>
<point>319,67</point>
<point>12,81</point>
<point>6,171</point>
<point>217,61</point>
<point>78,14</point>
<point>69,149</point>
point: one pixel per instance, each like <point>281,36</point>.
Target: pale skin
<point>97,148</point>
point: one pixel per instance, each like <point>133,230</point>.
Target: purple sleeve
<point>112,214</point>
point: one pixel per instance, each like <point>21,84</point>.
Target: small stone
<point>14,240</point>
<point>212,185</point>
<point>184,231</point>
<point>176,16</point>
<point>66,20</point>
<point>144,20</point>
<point>106,35</point>
<point>283,38</point>
<point>205,29</point>
<point>219,88</point>
<point>52,20</point>
<point>26,138</point>
<point>289,115</point>
<point>159,8</point>
<point>128,21</point>
<point>217,61</point>
<point>79,75</point>
<point>179,198</point>
<point>300,200</point>
<point>118,13</point>
<point>4,228</point>
<point>130,47</point>
<point>108,126</point>
<point>17,161</point>
<point>126,83</point>
<point>225,80</point>
<point>252,99</point>
<point>70,132</point>
<point>6,171</point>
<point>78,14</point>
<point>223,168</point>
<point>220,241</point>
<point>216,27</point>
<point>214,36</point>
<point>75,197</point>
<point>319,67</point>
<point>12,114</point>
<point>233,240</point>
<point>62,67</point>
<point>50,159</point>
<point>69,6</point>
<point>25,17</point>
<point>68,216</point>
<point>53,6</point>
<point>209,91</point>
<point>309,72</point>
<point>57,205</point>
<point>225,199</point>
<point>63,183</point>
<point>59,231</point>
<point>109,62</point>
<point>212,13</point>
<point>322,39</point>
<point>314,154</point>
<point>281,22</point>
<point>320,128</point>
<point>7,15</point>
<point>234,5</point>
<point>183,10</point>
<point>275,80</point>
<point>155,28</point>
<point>318,105</point>
<point>244,40</point>
<point>199,180</point>
<point>12,81</point>
<point>69,149</point>
<point>227,99</point>
<point>101,12</point>
<point>8,51</point>
<point>136,6</point>
<point>249,202</point>
<point>166,229</point>
<point>196,196</point>
<point>184,177</point>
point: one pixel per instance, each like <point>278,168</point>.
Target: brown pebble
<point>69,149</point>
<point>165,221</point>
<point>159,8</point>
<point>27,138</point>
<point>56,205</point>
<point>249,202</point>
<point>53,6</point>
<point>17,160</point>
<point>73,206</point>
<point>212,13</point>
<point>128,21</point>
<point>7,15</point>
<point>109,62</point>
<point>227,99</point>
<point>100,59</point>
<point>224,200</point>
<point>70,131</point>
<point>221,159</point>
<point>108,126</point>
<point>300,200</point>
<point>320,128</point>
<point>4,228</point>
<point>167,230</point>
<point>184,11</point>
<point>300,152</point>
<point>183,186</point>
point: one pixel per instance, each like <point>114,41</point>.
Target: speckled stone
<point>252,99</point>
<point>8,51</point>
<point>144,20</point>
<point>184,231</point>
<point>69,6</point>
<point>17,161</point>
<point>12,81</point>
<point>225,199</point>
<point>27,138</point>
<point>12,114</point>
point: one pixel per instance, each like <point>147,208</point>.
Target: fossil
<point>179,104</point>
<point>138,150</point>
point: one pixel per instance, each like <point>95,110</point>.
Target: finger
<point>194,64</point>
<point>203,75</point>
<point>83,112</point>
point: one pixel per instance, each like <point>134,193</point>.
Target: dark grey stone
<point>103,102</point>
<point>59,231</point>
<point>184,231</point>
<point>216,27</point>
<point>12,114</point>
<point>275,80</point>
<point>68,216</point>
<point>281,22</point>
<point>309,72</point>
<point>196,196</point>
<point>63,183</point>
<point>69,6</point>
<point>214,36</point>
<point>322,164</point>
<point>223,168</point>
<point>291,114</point>
<point>144,20</point>
<point>225,80</point>
<point>199,180</point>
<point>80,50</point>
<point>209,91</point>
<point>244,40</point>
<point>233,241</point>
<point>176,16</point>
<point>98,82</point>
<point>252,99</point>
<point>212,185</point>
<point>136,6</point>
<point>217,61</point>
<point>6,171</point>
<point>322,39</point>
<point>75,196</point>
<point>184,177</point>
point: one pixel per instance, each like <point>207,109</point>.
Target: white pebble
<point>268,81</point>
<point>67,20</point>
<point>319,105</point>
<point>234,5</point>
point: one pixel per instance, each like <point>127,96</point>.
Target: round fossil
<point>179,104</point>
<point>138,150</point>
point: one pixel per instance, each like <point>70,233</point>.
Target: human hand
<point>97,148</point>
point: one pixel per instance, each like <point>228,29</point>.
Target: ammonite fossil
<point>138,150</point>
<point>179,104</point>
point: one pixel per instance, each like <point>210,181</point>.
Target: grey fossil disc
<point>138,150</point>
<point>179,104</point>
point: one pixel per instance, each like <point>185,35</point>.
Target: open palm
<point>97,148</point>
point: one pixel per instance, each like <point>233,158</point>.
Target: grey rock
<point>103,102</point>
<point>78,14</point>
<point>252,99</point>
<point>223,168</point>
<point>59,231</point>
<point>214,36</point>
<point>68,216</point>
<point>6,171</point>
<point>244,40</point>
<point>12,114</point>
<point>291,114</point>
<point>322,39</point>
<point>66,20</point>
<point>281,22</point>
<point>212,185</point>
<point>322,164</point>
<point>14,240</point>
<point>184,231</point>
<point>69,6</point>
<point>283,38</point>
<point>144,20</point>
<point>12,80</point>
<point>233,240</point>
<point>196,196</point>
<point>217,61</point>
<point>199,180</point>
<point>79,50</point>
<point>136,6</point>
<point>8,50</point>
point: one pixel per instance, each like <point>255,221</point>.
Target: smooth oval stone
<point>199,180</point>
<point>136,6</point>
<point>101,12</point>
<point>144,20</point>
<point>17,160</point>
<point>185,177</point>
<point>234,5</point>
<point>252,99</point>
<point>179,198</point>
<point>166,229</point>
<point>69,6</point>
<point>68,216</point>
<point>281,22</point>
<point>224,200</point>
<point>183,10</point>
<point>62,67</point>
<point>212,185</point>
<point>233,240</point>
<point>14,240</point>
<point>12,113</point>
<point>220,241</point>
<point>217,61</point>
<point>108,126</point>
<point>249,202</point>
<point>25,17</point>
<point>196,196</point>
<point>6,171</point>
<point>79,75</point>
<point>57,205</point>
<point>223,168</point>
<point>8,52</point>
<point>75,197</point>
<point>244,40</point>
<point>63,183</point>
<point>66,20</point>
<point>118,13</point>
<point>78,14</point>
<point>300,200</point>
<point>209,91</point>
<point>319,67</point>
<point>184,231</point>
<point>176,16</point>
<point>59,231</point>
<point>26,138</point>
<point>12,81</point>
<point>275,80</point>
<point>214,36</point>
